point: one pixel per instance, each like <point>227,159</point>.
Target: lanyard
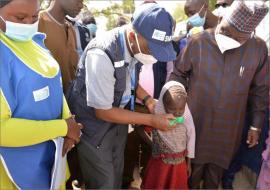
<point>131,70</point>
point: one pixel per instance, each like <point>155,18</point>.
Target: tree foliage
<point>212,4</point>
<point>126,9</point>
<point>128,6</point>
<point>44,4</point>
<point>114,11</point>
<point>179,13</point>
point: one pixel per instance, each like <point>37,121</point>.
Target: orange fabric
<point>61,41</point>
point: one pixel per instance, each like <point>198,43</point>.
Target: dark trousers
<point>102,167</point>
<point>210,174</point>
<point>250,157</point>
<point>74,168</point>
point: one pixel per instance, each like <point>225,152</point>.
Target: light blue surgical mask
<point>92,28</point>
<point>196,20</point>
<point>20,32</point>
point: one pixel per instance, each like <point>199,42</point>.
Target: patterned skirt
<point>159,175</point>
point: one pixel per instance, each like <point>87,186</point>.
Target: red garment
<point>159,175</point>
<point>148,129</point>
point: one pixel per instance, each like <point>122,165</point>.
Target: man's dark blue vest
<point>94,128</point>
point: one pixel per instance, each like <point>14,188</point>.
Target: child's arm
<point>190,133</point>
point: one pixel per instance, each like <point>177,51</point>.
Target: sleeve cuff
<point>257,120</point>
<point>96,106</point>
<point>61,127</point>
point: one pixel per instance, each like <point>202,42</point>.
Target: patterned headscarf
<point>245,16</point>
<point>168,137</point>
<point>165,88</point>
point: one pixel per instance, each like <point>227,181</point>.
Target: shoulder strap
<point>109,55</point>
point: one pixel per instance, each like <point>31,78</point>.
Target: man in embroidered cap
<point>226,72</point>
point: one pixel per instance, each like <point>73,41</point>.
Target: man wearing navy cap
<point>104,90</point>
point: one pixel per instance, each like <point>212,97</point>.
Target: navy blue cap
<point>155,24</point>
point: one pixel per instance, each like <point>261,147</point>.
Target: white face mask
<point>221,11</point>
<point>20,32</point>
<point>226,43</point>
<point>141,57</point>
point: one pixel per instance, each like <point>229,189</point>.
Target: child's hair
<point>178,90</point>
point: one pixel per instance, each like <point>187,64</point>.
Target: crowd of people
<point>75,104</point>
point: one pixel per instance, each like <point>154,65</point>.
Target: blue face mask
<point>196,20</point>
<point>20,32</point>
<point>92,28</point>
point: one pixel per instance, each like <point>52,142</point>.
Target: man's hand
<point>253,138</point>
<point>68,145</point>
<point>74,129</point>
<point>151,104</point>
<point>162,122</point>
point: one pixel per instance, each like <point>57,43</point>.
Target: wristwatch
<point>254,128</point>
<point>145,99</point>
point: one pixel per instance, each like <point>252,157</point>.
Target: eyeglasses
<point>224,5</point>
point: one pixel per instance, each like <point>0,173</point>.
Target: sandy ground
<point>245,179</point>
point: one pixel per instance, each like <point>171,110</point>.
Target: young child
<point>169,166</point>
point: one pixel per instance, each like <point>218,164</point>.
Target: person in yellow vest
<point>34,115</point>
